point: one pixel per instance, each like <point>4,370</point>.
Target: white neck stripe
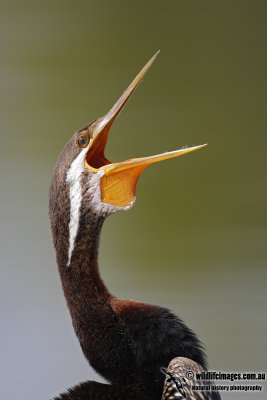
<point>75,193</point>
<point>74,180</point>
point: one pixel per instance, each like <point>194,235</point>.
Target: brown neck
<point>83,287</point>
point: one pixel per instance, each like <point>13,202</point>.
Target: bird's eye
<point>82,141</point>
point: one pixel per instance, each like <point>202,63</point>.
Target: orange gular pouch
<point>118,185</point>
<point>118,189</point>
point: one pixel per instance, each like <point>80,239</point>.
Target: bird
<point>186,379</point>
<point>127,342</point>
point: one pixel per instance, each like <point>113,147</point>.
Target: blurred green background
<point>196,239</point>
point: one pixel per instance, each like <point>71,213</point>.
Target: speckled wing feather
<point>177,386</point>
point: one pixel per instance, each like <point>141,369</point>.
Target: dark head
<point>86,183</point>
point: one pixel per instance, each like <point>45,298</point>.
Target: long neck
<point>83,287</point>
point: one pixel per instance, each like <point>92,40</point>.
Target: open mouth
<point>118,181</point>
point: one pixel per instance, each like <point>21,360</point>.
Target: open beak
<point>118,183</point>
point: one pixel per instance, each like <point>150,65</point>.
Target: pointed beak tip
<point>200,146</point>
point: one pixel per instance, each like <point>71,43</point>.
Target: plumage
<point>181,379</point>
<point>127,342</point>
